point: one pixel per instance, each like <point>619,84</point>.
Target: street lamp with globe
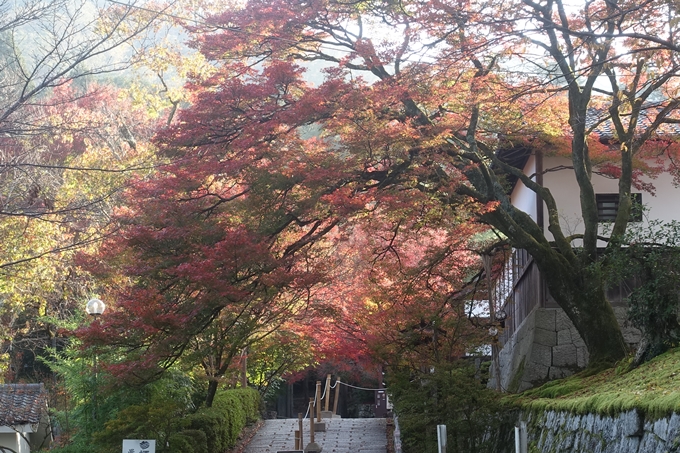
<point>498,324</point>
<point>95,307</point>
<point>501,316</point>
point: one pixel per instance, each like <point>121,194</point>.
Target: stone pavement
<point>343,435</point>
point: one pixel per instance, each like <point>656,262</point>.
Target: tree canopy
<point>424,96</point>
<point>321,115</point>
<point>330,164</point>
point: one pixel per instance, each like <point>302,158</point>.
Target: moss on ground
<point>652,388</point>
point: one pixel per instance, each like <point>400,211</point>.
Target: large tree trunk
<point>580,292</point>
<point>212,390</point>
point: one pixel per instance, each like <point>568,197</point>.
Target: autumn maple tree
<point>318,114</point>
<point>423,96</point>
<point>397,285</point>
<point>215,249</point>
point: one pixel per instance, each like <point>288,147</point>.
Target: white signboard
<point>139,446</point>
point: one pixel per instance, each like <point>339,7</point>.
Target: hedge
<point>252,402</point>
<point>189,441</point>
<point>221,424</point>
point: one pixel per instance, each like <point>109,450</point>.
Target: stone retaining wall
<point>546,346</point>
<point>628,432</point>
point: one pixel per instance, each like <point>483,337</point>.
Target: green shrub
<point>650,265</point>
<point>241,406</point>
<point>213,429</point>
<point>229,404</point>
<point>450,394</point>
<point>251,401</point>
<point>223,422</point>
<point>188,441</point>
<point>214,423</point>
<point>179,443</point>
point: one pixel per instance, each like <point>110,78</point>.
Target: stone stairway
<point>346,435</point>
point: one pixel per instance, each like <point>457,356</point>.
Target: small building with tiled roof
<point>24,422</point>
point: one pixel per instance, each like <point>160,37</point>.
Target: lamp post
<point>95,307</point>
<point>501,316</point>
<point>495,330</point>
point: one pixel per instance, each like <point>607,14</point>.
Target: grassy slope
<point>653,388</point>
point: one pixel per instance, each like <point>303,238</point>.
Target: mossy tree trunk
<point>580,293</point>
<point>575,281</point>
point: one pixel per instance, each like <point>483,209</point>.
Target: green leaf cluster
<point>163,411</point>
<point>450,394</point>
<point>648,267</point>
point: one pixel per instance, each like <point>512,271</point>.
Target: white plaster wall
<point>521,196</point>
<point>663,205</point>
<point>14,441</point>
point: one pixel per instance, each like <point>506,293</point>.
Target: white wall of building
<point>15,440</point>
<point>663,205</point>
<point>521,196</point>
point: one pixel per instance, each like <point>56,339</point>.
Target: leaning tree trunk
<point>580,293</point>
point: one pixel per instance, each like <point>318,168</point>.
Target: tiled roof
<point>21,403</point>
<point>605,128</point>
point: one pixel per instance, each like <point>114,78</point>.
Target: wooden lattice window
<point>608,206</point>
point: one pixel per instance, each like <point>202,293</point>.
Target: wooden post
<point>318,403</point>
<point>311,420</point>
<point>337,395</point>
<point>327,393</point>
<point>298,439</point>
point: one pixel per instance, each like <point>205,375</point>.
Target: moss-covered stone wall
<point>628,432</point>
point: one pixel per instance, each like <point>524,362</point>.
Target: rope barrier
<point>324,394</point>
<point>316,391</point>
<point>360,388</point>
